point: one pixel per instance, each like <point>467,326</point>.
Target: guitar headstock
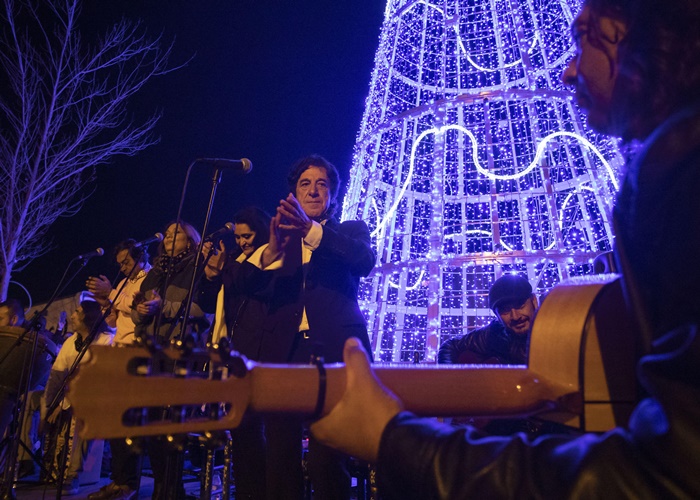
<point>129,391</point>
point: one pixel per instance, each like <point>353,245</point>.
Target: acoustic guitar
<point>580,373</point>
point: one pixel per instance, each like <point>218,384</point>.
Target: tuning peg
<point>237,366</point>
<point>221,351</point>
<point>223,345</point>
<point>137,445</point>
<point>149,342</point>
<point>178,442</point>
<point>186,345</point>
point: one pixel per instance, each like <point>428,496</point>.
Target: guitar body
<point>572,378</point>
<point>583,337</point>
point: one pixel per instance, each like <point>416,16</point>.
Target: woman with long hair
<point>231,286</point>
<point>161,303</point>
<point>159,310</point>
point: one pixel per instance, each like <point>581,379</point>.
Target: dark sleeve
<point>450,350</point>
<point>469,348</point>
<point>207,292</point>
<point>251,280</point>
<point>238,278</point>
<point>151,281</point>
<point>422,459</point>
<point>658,456</point>
<point>350,244</point>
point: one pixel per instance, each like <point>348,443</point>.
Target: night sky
<point>269,80</point>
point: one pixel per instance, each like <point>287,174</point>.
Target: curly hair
<point>658,60</point>
<point>303,164</point>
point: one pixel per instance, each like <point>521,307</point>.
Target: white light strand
<point>540,151</point>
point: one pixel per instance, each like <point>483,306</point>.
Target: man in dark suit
<point>316,264</point>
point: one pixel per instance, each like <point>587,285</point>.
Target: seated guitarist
<point>505,340</point>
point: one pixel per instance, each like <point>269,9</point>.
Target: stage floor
<point>29,489</point>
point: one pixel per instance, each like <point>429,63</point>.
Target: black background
<point>269,80</point>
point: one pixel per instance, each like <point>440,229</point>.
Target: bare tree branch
<point>64,114</point>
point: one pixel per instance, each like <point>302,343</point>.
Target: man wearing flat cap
<point>505,340</point>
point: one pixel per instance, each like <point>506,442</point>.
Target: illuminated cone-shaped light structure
<point>473,161</point>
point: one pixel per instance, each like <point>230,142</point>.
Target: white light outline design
<point>539,152</point>
<point>376,213</point>
<point>463,48</point>
<point>581,171</point>
<point>412,287</point>
<point>563,207</point>
<point>560,221</point>
<point>479,231</point>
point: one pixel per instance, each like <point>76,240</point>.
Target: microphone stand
<point>8,483</point>
<point>197,274</point>
<point>216,179</point>
<point>175,460</point>
<point>168,274</point>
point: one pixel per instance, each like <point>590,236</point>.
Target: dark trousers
<point>167,464</point>
<point>126,465</point>
<point>7,410</point>
<point>327,468</point>
<point>249,460</point>
<point>285,477</point>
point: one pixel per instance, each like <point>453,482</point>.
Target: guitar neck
<point>425,390</point>
<point>580,340</point>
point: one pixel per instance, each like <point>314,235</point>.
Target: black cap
<point>510,287</point>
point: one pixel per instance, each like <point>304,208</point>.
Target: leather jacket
<point>492,344</point>
<point>657,457</point>
<point>658,454</point>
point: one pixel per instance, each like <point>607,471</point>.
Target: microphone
<point>243,165</point>
<point>98,252</point>
<point>216,235</point>
<point>148,241</point>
